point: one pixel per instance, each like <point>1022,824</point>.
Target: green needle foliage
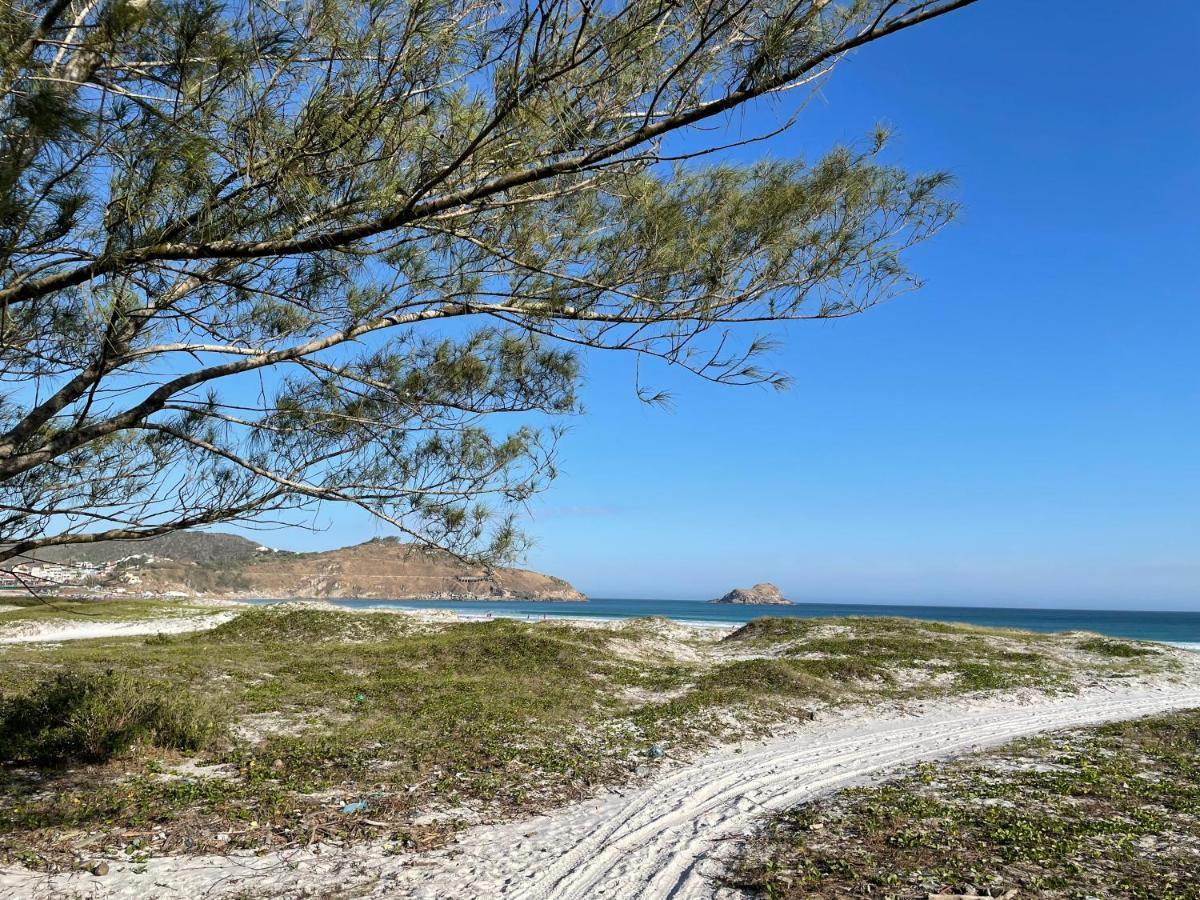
<point>260,256</point>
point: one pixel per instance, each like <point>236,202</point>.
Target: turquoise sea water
<point>1172,627</point>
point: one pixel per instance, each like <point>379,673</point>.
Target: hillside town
<point>49,576</point>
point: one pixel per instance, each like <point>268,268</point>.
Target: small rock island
<point>764,593</point>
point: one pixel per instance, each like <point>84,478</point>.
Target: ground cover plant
<point>292,724</point>
<point>1107,812</point>
<point>69,716</point>
<point>26,609</point>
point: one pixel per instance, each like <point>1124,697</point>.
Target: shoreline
<point>1161,627</point>
<point>1172,627</point>
<point>64,629</point>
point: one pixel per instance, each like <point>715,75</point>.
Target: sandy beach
<point>663,835</point>
<point>53,632</point>
<point>72,628</point>
<point>653,841</point>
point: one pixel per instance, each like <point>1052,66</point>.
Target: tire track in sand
<point>653,842</point>
<point>650,845</point>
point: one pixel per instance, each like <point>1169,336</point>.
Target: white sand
<point>659,840</point>
<point>81,628</point>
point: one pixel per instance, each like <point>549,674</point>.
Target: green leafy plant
<point>87,716</point>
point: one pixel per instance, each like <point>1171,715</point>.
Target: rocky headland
<point>211,565</point>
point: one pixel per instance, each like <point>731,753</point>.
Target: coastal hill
<point>764,593</point>
<point>183,546</point>
<point>210,564</point>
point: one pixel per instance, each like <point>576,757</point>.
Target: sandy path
<point>655,841</point>
<point>82,629</point>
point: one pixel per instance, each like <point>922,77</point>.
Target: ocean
<point>1181,628</point>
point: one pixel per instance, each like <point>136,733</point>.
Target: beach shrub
<point>843,668</point>
<point>772,628</point>
<point>759,676</point>
<point>1119,649</point>
<point>77,716</point>
<point>287,623</point>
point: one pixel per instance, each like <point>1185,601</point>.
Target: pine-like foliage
<point>257,256</point>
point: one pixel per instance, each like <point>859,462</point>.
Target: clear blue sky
<point>1023,431</point>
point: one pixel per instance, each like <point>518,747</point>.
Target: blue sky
<point>1023,431</point>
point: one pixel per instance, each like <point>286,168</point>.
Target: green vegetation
<point>889,651</point>
<point>321,707</point>
<point>35,609</point>
<point>72,716</point>
<point>478,211</point>
<point>180,546</point>
<point>906,633</point>
<point>1119,649</point>
<point>771,688</point>
<point>359,706</point>
<point>805,663</point>
<point>264,627</point>
<point>1104,813</point>
<point>769,630</point>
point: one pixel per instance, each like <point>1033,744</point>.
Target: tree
<point>259,256</point>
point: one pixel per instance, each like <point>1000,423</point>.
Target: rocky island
<point>764,593</point>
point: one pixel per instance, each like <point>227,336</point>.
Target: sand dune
<point>659,840</point>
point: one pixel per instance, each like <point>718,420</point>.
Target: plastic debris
<point>356,806</point>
